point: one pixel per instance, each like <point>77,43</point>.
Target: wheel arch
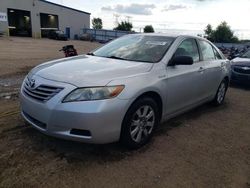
<point>150,94</point>
<point>227,79</point>
<point>155,96</point>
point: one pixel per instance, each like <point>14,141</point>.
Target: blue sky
<point>170,16</point>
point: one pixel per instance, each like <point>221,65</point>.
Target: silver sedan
<point>123,90</point>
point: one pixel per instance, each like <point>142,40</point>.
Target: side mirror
<point>181,60</point>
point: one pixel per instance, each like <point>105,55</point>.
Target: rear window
<point>217,54</point>
<point>246,55</point>
<point>207,50</point>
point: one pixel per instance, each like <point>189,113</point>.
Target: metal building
<point>35,18</point>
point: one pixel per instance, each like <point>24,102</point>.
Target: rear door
<point>213,67</point>
<point>186,83</point>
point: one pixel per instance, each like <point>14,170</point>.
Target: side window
<point>207,51</point>
<point>188,48</point>
<point>217,55</point>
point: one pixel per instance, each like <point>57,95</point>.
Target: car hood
<point>85,70</point>
<point>241,61</point>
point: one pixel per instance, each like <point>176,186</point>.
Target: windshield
<point>143,48</point>
<point>246,55</point>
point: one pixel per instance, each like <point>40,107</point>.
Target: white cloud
<point>179,15</point>
<point>139,9</point>
<point>174,7</point>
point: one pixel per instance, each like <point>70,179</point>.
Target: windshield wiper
<point>91,53</point>
<point>115,57</point>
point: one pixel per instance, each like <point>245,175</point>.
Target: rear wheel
<point>139,123</point>
<point>221,93</point>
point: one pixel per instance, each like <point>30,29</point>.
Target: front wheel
<point>221,93</point>
<point>139,123</point>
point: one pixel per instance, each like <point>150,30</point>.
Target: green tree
<point>222,33</point>
<point>97,23</point>
<point>149,29</point>
<point>124,26</point>
<point>209,32</point>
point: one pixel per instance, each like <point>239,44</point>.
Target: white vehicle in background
<point>241,69</point>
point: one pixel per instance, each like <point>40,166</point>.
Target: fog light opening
<point>80,132</point>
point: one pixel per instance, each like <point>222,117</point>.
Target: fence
<point>104,35</point>
<point>235,45</point>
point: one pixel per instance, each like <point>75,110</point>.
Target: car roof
<point>169,35</point>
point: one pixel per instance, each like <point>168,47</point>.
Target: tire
<point>139,123</point>
<point>221,93</point>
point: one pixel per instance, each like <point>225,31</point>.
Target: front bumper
<point>240,78</point>
<point>96,122</point>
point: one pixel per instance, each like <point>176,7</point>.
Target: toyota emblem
<point>32,83</point>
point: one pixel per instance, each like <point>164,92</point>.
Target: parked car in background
<point>123,90</point>
<point>241,69</point>
<point>57,35</point>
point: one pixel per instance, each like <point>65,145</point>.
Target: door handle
<point>201,70</point>
<point>223,64</point>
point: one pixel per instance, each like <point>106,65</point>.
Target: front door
<point>67,32</point>
<point>186,83</point>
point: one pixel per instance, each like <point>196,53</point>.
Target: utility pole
<point>128,18</point>
<point>116,16</point>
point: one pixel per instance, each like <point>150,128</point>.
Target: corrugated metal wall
<point>105,35</point>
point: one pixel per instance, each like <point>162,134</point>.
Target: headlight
<point>93,93</point>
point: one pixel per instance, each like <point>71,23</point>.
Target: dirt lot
<point>207,147</point>
<point>19,55</point>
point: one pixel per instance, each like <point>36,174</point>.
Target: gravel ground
<point>207,147</point>
<point>18,55</point>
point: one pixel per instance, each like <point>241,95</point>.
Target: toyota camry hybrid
<point>124,89</point>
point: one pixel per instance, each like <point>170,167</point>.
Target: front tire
<point>139,123</point>
<point>221,93</point>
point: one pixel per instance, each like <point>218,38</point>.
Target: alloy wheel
<point>221,93</point>
<point>142,124</point>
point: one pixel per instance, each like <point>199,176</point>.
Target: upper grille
<point>241,70</point>
<point>42,92</point>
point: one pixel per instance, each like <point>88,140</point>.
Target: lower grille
<point>35,121</point>
<point>42,92</point>
<point>242,70</point>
